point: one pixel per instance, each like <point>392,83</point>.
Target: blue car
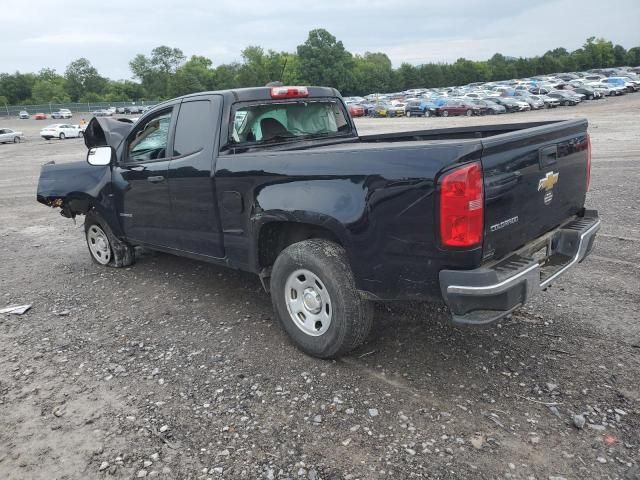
<point>421,108</point>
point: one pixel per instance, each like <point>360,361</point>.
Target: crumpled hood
<point>104,131</point>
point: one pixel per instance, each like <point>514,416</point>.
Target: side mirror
<point>100,156</point>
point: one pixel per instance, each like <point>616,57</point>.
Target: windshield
<point>282,122</point>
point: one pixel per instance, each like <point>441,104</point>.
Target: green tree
<point>155,71</point>
<point>196,75</point>
<point>323,60</point>
<point>633,56</point>
<point>81,78</point>
<point>49,91</point>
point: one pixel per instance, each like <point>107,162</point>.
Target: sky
<point>42,33</point>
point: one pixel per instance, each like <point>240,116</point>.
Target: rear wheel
<point>445,113</point>
<point>316,300</point>
<point>427,113</point>
<point>408,114</point>
<point>62,136</point>
<point>468,113</point>
<point>566,103</point>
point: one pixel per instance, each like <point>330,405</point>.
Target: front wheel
<point>445,113</point>
<point>16,139</point>
<point>104,247</point>
<point>408,114</point>
<point>468,113</point>
<point>62,136</point>
<point>315,298</point>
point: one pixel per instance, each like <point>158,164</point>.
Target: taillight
<point>289,92</point>
<point>588,161</point>
<point>462,206</point>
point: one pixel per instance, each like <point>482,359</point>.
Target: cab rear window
<point>281,122</point>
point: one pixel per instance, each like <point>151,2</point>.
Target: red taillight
<point>462,207</point>
<point>588,161</point>
<point>289,92</point>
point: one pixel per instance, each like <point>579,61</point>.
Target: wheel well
<point>276,236</point>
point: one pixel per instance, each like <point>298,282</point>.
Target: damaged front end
<point>73,187</point>
<point>78,187</point>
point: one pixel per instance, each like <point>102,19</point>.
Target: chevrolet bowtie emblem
<point>548,181</point>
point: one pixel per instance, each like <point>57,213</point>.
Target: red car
<point>40,116</point>
<point>355,110</point>
<point>458,107</point>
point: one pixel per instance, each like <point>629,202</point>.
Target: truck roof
<point>260,93</point>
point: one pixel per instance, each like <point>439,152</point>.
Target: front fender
<point>77,187</point>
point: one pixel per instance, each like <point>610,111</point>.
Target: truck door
<point>191,184</point>
<point>140,180</point>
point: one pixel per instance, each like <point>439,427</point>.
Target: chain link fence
<point>49,108</point>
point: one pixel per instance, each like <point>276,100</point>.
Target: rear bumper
<point>491,292</point>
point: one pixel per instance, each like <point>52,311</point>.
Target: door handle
<point>157,179</point>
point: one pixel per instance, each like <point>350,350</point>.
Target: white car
<point>10,136</point>
<point>61,131</point>
<point>62,113</point>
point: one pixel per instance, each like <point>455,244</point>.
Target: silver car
<point>10,136</point>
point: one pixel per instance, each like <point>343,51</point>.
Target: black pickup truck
<point>277,181</point>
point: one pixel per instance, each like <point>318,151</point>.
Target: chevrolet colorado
<point>277,181</point>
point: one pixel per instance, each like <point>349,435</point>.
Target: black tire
<point>408,114</point>
<point>62,136</point>
<point>351,315</point>
<point>468,113</point>
<point>16,139</point>
<point>566,103</point>
<point>590,97</point>
<point>122,254</point>
<point>427,113</point>
<point>445,113</point>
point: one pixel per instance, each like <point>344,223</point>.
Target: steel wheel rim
<point>308,302</point>
<point>99,245</point>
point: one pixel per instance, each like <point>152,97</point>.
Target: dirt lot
<point>177,369</point>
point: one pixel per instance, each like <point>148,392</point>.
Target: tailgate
<point>534,179</point>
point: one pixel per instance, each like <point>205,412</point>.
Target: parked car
<point>61,131</point>
<point>588,93</point>
<point>40,116</point>
<point>619,85</point>
<point>133,109</point>
<point>512,104</point>
<point>62,113</point>
<point>10,136</point>
<point>534,103</point>
<point>24,115</point>
<point>101,113</point>
<point>549,102</point>
<point>355,110</point>
<point>330,230</point>
<point>458,107</point>
<point>629,84</point>
<point>488,107</point>
<point>540,90</point>
<point>380,109</point>
<point>565,97</point>
<point>420,108</point>
<point>396,109</point>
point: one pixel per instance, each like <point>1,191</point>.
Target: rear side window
<point>192,130</point>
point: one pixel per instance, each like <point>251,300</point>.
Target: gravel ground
<point>177,369</point>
